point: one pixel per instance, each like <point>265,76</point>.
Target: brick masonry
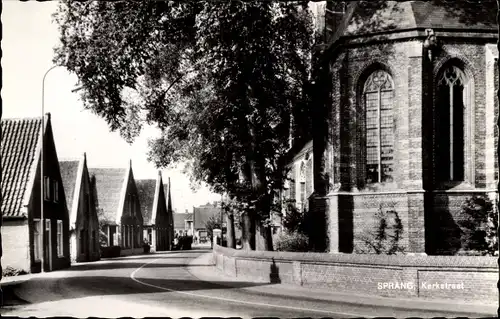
<point>420,199</point>
<point>366,274</point>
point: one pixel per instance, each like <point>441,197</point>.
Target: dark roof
<point>146,189</point>
<point>180,218</point>
<point>203,213</point>
<point>19,143</point>
<point>109,184</point>
<point>69,172</point>
<point>379,16</point>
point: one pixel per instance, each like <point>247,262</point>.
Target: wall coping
<point>413,261</point>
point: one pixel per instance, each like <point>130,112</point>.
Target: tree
<point>498,147</point>
<point>219,79</point>
<point>103,222</point>
<point>214,222</point>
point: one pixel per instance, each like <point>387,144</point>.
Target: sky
<point>29,37</point>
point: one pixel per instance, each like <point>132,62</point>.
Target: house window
<point>131,205</point>
<point>138,237</point>
<point>293,191</point>
<point>309,178</point>
<point>130,236</point>
<point>379,127</point>
<point>450,123</point>
<point>46,188</point>
<point>125,236</point>
<point>150,236</point>
<point>37,239</point>
<point>60,240</point>
<point>55,185</point>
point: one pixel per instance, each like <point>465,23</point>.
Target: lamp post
<point>42,184</point>
<point>42,221</point>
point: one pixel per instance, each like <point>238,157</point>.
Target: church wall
<point>355,202</point>
<point>351,204</point>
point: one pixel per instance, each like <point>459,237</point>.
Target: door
<point>47,251</point>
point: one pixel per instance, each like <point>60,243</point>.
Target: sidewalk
<point>211,273</point>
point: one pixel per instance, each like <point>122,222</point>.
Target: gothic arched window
<point>302,180</point>
<point>450,124</point>
<point>379,127</point>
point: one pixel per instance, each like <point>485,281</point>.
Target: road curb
<point>211,273</point>
<point>14,280</point>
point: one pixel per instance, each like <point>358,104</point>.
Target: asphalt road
<point>162,285</point>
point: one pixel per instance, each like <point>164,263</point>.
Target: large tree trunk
<point>264,240</point>
<point>247,232</point>
<point>231,241</point>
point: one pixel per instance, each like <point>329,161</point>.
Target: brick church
<point>404,118</point>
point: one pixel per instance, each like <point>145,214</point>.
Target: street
<point>165,284</point>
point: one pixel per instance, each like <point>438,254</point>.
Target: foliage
<point>11,271</point>
<point>293,241</point>
<point>294,220</point>
<point>103,221</point>
<point>214,222</point>
<point>220,79</point>
<point>385,238</point>
<point>479,226</point>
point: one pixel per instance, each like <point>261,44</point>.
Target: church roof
<point>369,17</point>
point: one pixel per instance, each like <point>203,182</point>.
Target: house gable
<point>52,170</point>
<point>129,192</point>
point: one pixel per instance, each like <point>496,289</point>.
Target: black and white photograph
<point>250,158</point>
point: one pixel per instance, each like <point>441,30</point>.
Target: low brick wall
<point>467,278</point>
<point>131,251</point>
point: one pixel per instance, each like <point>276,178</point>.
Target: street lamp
<point>42,184</point>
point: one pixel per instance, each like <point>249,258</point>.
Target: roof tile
<point>19,142</point>
<point>146,189</point>
<point>69,172</point>
<point>109,183</point>
<point>203,213</point>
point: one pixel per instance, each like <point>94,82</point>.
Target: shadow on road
<point>162,254</point>
<point>35,290</point>
<point>128,265</point>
